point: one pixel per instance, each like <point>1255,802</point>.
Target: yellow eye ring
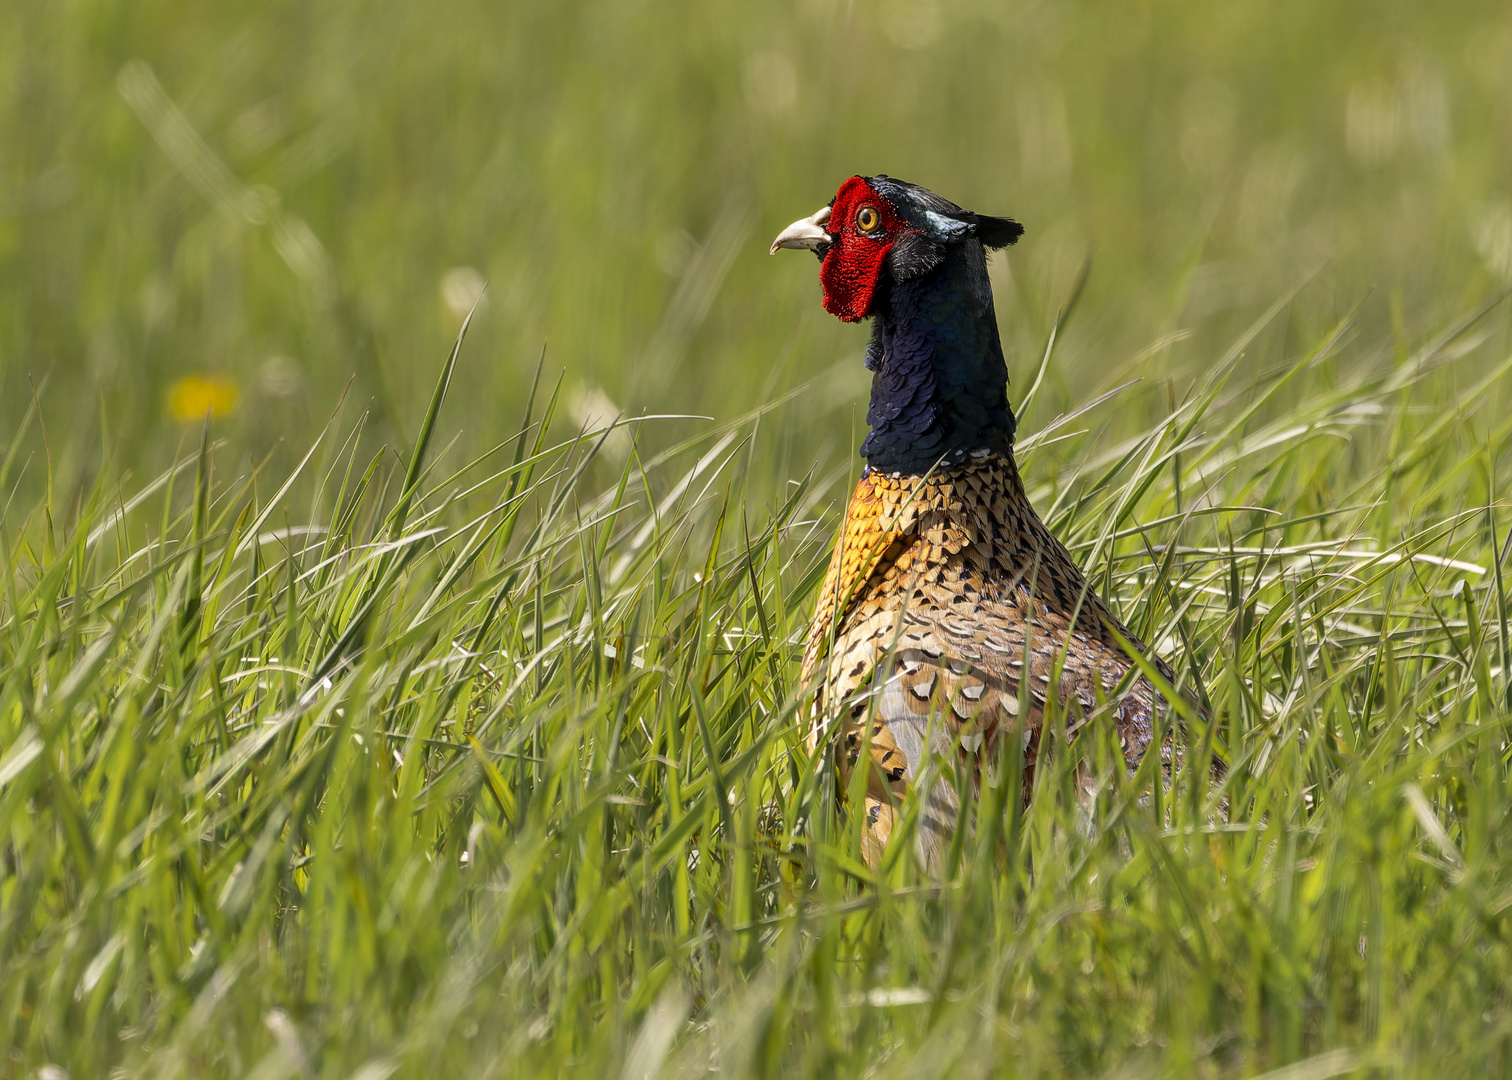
<point>867,218</point>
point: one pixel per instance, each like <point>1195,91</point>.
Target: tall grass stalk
<point>502,770</point>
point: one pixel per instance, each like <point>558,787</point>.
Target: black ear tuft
<point>996,232</point>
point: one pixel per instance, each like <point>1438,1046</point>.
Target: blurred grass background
<point>327,769</point>
<point>274,199</point>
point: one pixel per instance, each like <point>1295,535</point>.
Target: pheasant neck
<point>939,394</point>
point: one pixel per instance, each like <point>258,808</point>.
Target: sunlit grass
<point>388,728</point>
<point>396,765</point>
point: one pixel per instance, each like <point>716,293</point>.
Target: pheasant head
<point>916,264</point>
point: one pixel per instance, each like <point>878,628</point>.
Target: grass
<point>409,722</point>
<point>383,768</point>
<point>279,197</point>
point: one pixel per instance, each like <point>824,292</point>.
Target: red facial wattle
<point>852,266</point>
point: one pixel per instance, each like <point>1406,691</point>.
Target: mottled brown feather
<point>939,571</point>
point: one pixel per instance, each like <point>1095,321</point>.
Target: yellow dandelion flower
<point>195,395</point>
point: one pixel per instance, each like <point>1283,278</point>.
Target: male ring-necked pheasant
<point>922,620</point>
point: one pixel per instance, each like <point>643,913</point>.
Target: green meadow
<point>415,478</point>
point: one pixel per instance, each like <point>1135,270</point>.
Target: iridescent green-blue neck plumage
<point>940,384</point>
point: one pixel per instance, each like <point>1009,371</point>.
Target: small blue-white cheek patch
<point>944,229</point>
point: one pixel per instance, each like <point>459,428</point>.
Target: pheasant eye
<point>867,218</point>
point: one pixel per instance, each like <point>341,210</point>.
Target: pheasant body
<point>950,615</point>
<point>946,608</point>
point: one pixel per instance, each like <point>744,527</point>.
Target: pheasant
<point>948,604</point>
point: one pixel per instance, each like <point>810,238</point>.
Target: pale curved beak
<point>806,233</point>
